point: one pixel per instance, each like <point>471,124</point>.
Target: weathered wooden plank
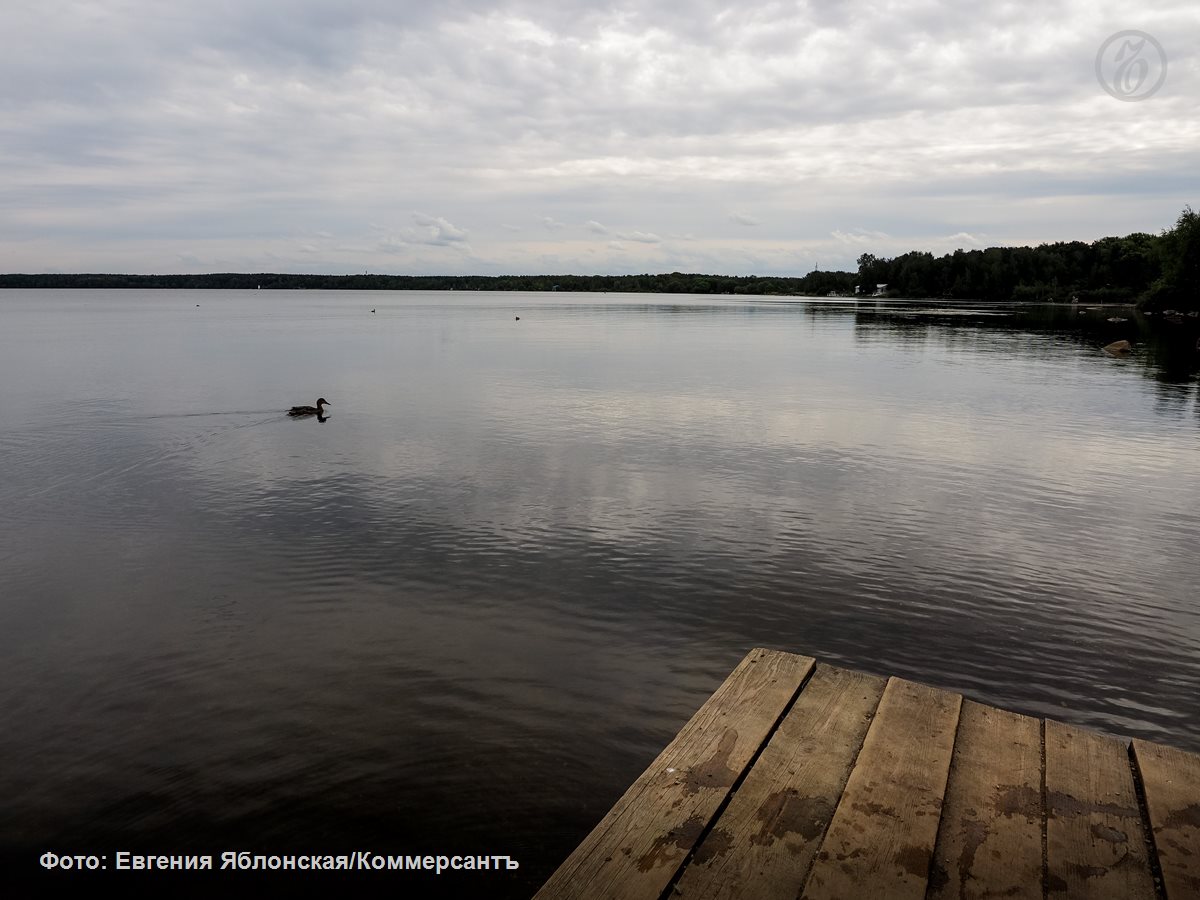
<point>990,840</point>
<point>1095,837</point>
<point>764,843</point>
<point>639,846</point>
<point>880,842</point>
<point>1171,779</point>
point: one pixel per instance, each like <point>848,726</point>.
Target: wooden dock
<point>800,779</point>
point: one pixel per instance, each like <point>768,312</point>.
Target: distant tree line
<point>1157,271</point>
<point>813,284</point>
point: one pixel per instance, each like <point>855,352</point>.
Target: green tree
<point>1179,255</point>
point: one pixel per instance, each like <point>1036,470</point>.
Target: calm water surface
<point>467,610</point>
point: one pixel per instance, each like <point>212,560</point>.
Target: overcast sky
<point>491,136</point>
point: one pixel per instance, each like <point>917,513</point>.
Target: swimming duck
<point>318,410</point>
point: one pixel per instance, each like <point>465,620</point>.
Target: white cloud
<point>594,226</point>
<point>433,231</point>
<point>436,230</point>
<point>743,219</point>
<point>642,237</point>
<point>963,239</point>
<point>860,236</point>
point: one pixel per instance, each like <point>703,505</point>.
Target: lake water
<point>464,612</point>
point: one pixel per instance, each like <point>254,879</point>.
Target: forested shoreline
<point>1155,271</point>
<point>813,284</point>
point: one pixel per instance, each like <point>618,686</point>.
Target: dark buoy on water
<point>372,310</point>
<point>518,318</point>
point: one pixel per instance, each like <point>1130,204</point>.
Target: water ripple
<point>474,603</point>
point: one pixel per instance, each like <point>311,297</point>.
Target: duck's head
<point>323,402</point>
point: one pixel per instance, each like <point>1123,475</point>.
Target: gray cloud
<point>255,131</point>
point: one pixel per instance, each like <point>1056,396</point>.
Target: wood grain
<point>637,848</point>
<point>1095,839</point>
<point>847,791</point>
<point>765,841</point>
<point>1171,779</point>
<point>880,842</point>
<point>990,840</point>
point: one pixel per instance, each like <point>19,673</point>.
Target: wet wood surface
<point>990,838</point>
<point>640,845</point>
<point>880,842</point>
<point>801,779</point>
<point>1095,838</point>
<point>1171,780</point>
<point>773,827</point>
